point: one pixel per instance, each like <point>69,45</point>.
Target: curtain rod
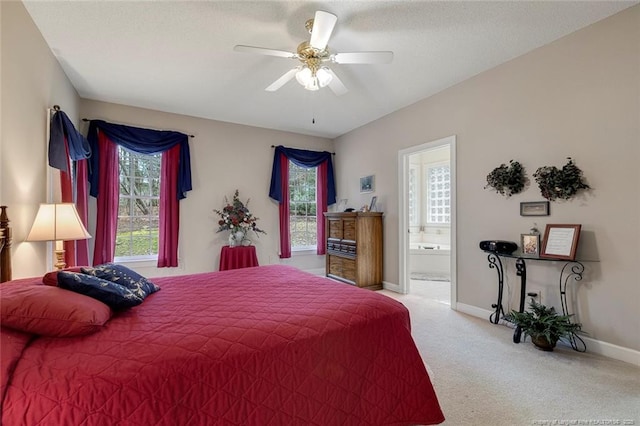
<point>332,153</point>
<point>86,119</point>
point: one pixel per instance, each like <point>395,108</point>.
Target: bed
<point>268,345</point>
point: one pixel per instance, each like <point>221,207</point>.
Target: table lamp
<point>58,222</point>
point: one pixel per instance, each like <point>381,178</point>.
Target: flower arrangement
<point>235,217</point>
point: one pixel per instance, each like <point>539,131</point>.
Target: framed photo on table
<point>372,206</point>
<point>530,244</point>
<point>560,242</point>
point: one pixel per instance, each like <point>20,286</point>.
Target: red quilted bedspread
<point>258,346</point>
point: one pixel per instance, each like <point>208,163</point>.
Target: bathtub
<point>430,258</point>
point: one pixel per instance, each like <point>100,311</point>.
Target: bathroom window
<point>438,184</point>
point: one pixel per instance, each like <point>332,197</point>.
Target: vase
<point>232,240</point>
<point>239,236</point>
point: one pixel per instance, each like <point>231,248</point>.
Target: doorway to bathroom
<point>427,220</point>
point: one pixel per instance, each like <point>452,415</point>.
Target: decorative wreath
<point>560,184</point>
<point>507,180</point>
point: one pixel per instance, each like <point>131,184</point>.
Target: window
<point>438,194</point>
<point>139,206</point>
<point>302,207</point>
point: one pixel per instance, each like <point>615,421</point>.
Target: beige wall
<point>578,97</point>
<point>224,157</point>
<point>32,81</point>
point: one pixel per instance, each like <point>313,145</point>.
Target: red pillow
<point>50,311</point>
<point>51,278</point>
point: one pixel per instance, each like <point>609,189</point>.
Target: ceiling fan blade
<point>264,51</point>
<point>323,24</point>
<point>384,57</point>
<point>282,80</point>
<point>336,84</point>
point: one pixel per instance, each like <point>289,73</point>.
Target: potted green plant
<point>544,325</point>
<point>507,180</point>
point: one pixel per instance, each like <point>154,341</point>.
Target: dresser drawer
<point>349,269</point>
<point>335,265</point>
<point>349,229</point>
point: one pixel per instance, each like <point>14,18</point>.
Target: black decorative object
<point>498,246</point>
<point>560,184</point>
<point>507,180</point>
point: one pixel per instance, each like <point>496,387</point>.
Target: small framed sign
<point>560,242</point>
<point>534,208</point>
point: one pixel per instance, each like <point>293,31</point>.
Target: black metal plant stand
<point>572,270</point>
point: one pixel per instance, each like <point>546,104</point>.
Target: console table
<point>571,269</point>
<point>237,257</point>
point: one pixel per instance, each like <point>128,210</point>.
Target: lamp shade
<point>57,222</point>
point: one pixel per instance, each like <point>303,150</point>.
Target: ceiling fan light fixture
<point>324,76</point>
<point>311,80</point>
<point>304,76</point>
<point>312,85</point>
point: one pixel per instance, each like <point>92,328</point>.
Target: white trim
<point>474,311</point>
<point>612,351</point>
<point>403,212</point>
<point>593,346</point>
<point>392,287</point>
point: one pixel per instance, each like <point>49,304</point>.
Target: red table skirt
<point>238,257</point>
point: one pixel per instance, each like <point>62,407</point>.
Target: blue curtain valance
<point>302,158</point>
<point>144,141</point>
<point>78,145</point>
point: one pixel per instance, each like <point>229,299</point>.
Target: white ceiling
<point>177,56</point>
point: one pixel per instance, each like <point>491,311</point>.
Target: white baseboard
<point>391,287</point>
<point>593,346</point>
<point>612,351</point>
<point>473,311</point>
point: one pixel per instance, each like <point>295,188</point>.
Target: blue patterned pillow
<point>109,293</point>
<point>124,276</point>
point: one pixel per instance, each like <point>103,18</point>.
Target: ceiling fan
<point>314,55</point>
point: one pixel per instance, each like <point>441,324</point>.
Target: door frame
<point>403,211</point>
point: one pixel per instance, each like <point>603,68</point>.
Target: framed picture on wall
<point>534,208</point>
<point>530,244</point>
<point>367,183</point>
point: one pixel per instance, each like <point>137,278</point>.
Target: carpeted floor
<point>483,378</point>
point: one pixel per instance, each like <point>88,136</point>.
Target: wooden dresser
<point>354,248</point>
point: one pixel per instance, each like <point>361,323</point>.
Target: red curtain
<point>107,201</point>
<point>82,204</point>
<point>285,234</point>
<point>321,206</point>
<point>169,209</point>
